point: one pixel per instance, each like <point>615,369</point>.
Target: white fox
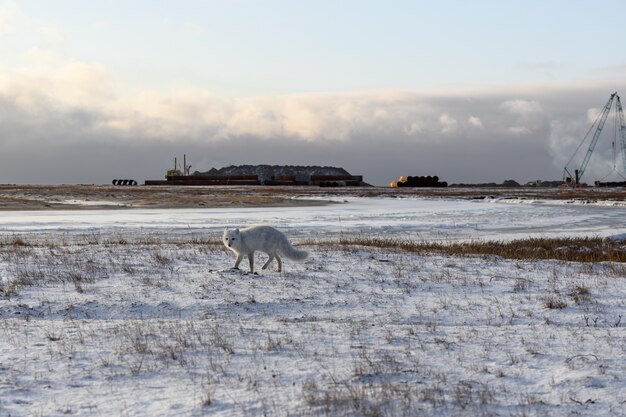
<point>262,238</point>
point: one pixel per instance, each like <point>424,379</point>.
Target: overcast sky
<point>469,91</point>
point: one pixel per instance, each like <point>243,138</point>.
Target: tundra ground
<point>107,324</point>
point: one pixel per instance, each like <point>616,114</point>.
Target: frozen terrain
<point>137,312</point>
<point>414,218</point>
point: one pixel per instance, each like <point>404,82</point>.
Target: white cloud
<point>202,116</point>
<point>79,84</point>
<point>41,57</point>
<point>414,128</point>
<point>519,130</point>
<point>448,124</point>
<point>592,114</point>
<point>522,107</point>
<point>474,121</point>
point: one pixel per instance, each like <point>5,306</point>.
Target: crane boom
<point>622,129</point>
<point>596,135</point>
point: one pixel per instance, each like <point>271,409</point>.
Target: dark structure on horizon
<point>285,175</point>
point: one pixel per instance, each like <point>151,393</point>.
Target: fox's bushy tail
<point>292,253</point>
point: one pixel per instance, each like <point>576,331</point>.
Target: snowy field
<point>137,313</point>
<point>414,218</point>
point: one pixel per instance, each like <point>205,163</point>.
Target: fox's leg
<point>280,264</point>
<point>238,261</point>
<point>268,261</point>
<point>251,260</point>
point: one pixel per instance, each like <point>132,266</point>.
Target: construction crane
<point>622,130</point>
<point>599,125</point>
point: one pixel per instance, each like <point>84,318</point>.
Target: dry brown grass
<point>564,249</point>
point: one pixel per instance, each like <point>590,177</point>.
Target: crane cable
<point>614,137</point>
<point>615,129</point>
<point>584,139</point>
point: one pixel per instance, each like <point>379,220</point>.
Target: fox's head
<point>230,237</point>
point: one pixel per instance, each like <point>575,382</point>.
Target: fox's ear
<point>237,230</point>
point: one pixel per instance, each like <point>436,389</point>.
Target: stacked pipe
<point>410,181</point>
<point>124,182</point>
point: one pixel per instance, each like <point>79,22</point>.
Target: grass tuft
<point>553,302</point>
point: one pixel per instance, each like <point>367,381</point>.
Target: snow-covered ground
<point>130,312</point>
<point>414,218</point>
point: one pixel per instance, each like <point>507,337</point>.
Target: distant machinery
<point>620,127</point>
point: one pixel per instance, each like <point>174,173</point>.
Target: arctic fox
<point>262,238</point>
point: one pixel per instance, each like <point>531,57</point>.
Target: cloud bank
<point>71,125</point>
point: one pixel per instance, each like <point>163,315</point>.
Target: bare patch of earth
<point>85,197</point>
